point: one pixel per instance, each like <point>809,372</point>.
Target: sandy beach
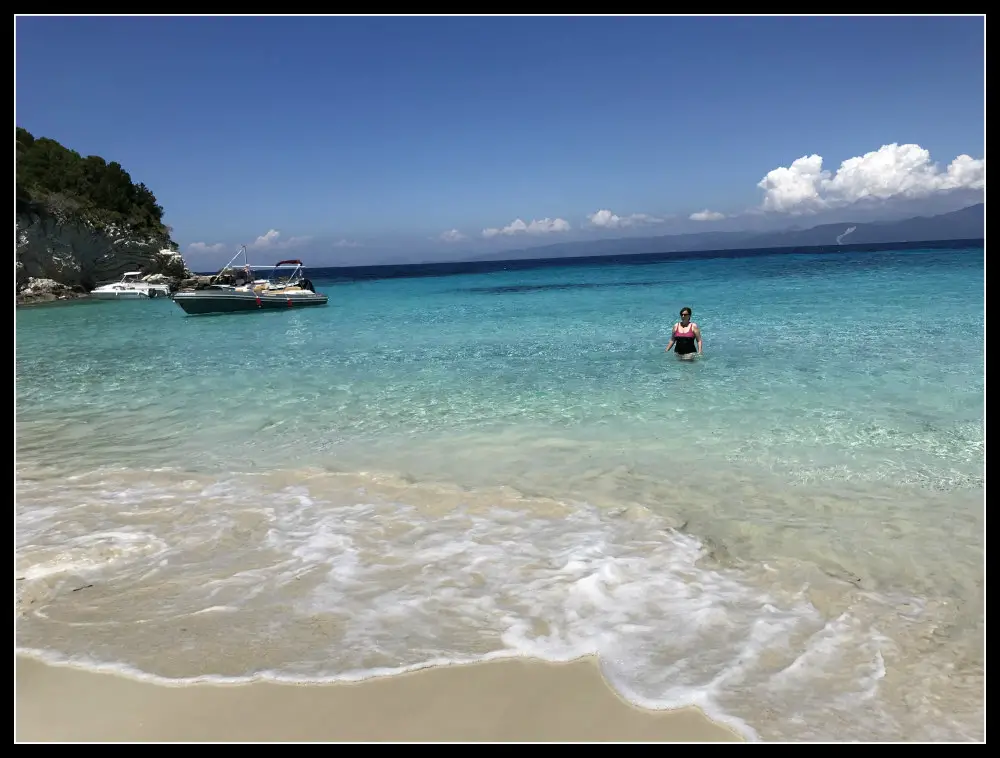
<point>504,701</point>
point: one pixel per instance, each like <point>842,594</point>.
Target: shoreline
<point>510,700</point>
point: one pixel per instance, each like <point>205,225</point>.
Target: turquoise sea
<point>788,531</point>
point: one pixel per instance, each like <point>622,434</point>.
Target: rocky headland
<point>82,222</point>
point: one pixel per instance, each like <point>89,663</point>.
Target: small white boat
<point>131,287</point>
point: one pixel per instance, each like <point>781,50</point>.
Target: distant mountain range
<point>966,223</point>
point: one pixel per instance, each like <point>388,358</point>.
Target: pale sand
<point>503,701</point>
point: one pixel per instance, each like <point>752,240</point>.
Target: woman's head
<point>685,313</point>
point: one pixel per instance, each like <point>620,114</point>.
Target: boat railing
<point>297,272</point>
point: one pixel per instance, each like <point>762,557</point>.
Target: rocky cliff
<point>58,258</point>
<point>82,222</point>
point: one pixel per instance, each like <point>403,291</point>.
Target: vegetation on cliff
<point>52,179</point>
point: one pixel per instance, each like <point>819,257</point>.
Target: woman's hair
<point>686,310</point>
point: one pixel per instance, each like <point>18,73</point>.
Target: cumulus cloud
<point>452,235</point>
<point>707,215</point>
<point>892,171</point>
<point>271,240</point>
<point>346,243</point>
<point>204,247</point>
<point>537,226</point>
<point>608,220</point>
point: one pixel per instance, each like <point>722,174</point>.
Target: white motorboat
<point>131,287</point>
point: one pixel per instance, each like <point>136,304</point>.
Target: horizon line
<point>936,244</point>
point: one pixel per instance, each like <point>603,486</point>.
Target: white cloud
<point>608,220</point>
<point>537,226</point>
<point>452,235</point>
<point>204,247</point>
<point>889,172</point>
<point>271,240</point>
<point>346,243</point>
<point>707,215</point>
<point>268,239</point>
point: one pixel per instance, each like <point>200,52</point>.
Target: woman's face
<point>685,316</point>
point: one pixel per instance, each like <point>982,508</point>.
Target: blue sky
<point>366,139</point>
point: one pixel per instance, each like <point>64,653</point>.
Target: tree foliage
<point>51,178</point>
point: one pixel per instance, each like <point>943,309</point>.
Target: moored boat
<point>131,287</point>
<point>285,286</point>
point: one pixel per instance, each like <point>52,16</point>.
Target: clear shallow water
<point>788,532</point>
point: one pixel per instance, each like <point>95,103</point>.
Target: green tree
<point>51,178</point>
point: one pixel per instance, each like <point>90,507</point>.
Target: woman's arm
<point>671,343</point>
<point>697,333</point>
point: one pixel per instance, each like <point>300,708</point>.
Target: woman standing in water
<point>686,336</point>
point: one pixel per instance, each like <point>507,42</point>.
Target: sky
<point>353,140</point>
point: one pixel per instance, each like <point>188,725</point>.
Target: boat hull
<point>129,293</point>
<point>202,302</point>
<point>120,295</point>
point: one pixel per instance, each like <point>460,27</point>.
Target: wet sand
<point>501,701</point>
